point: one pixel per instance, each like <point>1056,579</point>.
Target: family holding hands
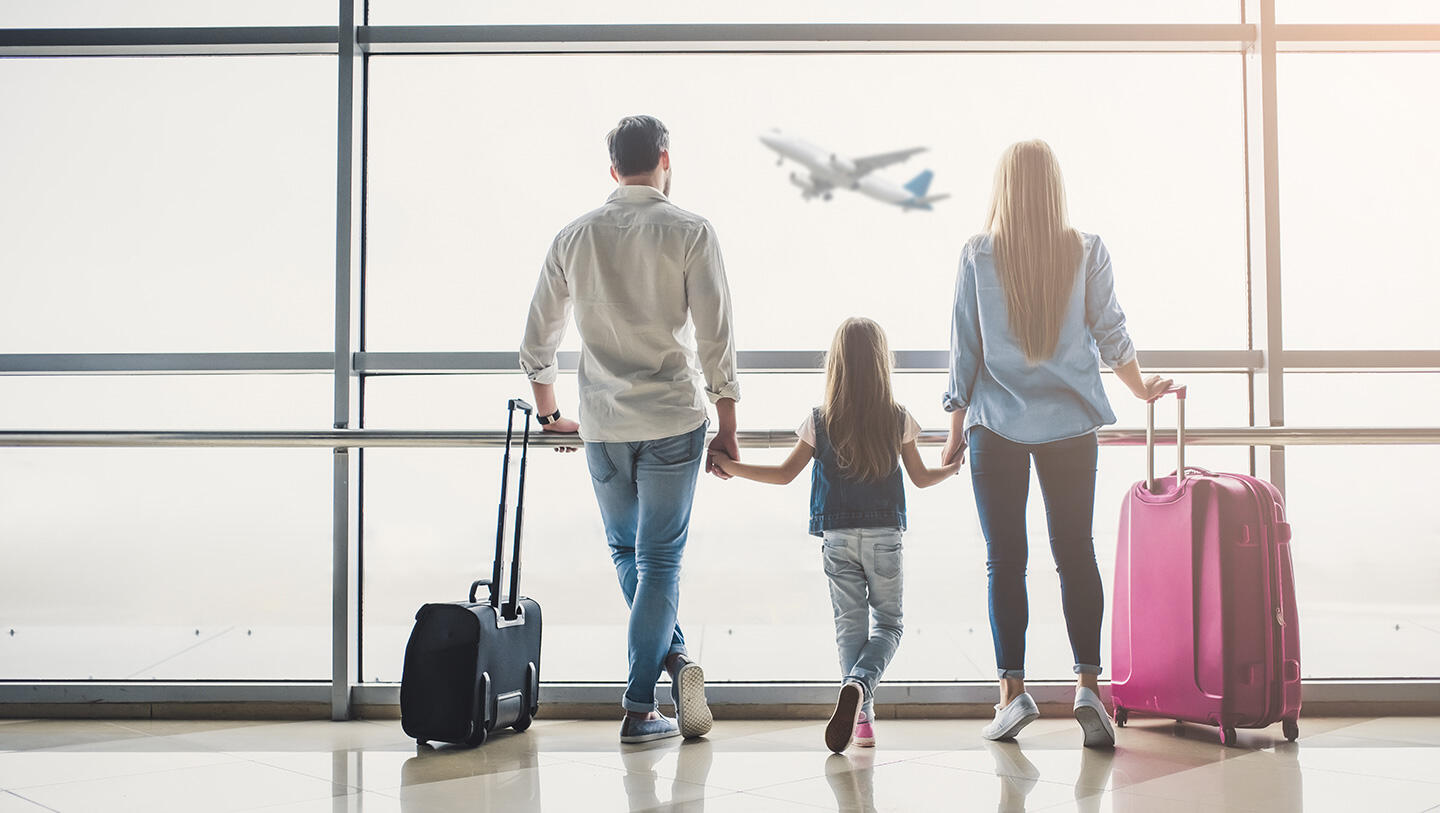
<point>1035,314</point>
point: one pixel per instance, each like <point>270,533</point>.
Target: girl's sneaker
<point>864,732</point>
<point>841,728</point>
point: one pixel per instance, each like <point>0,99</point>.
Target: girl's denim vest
<point>837,501</point>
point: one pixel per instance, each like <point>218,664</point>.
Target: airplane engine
<point>841,165</point>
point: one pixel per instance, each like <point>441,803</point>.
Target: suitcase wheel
<point>524,721</point>
<point>1227,735</point>
<point>1122,716</point>
<point>1291,729</point>
<point>478,736</point>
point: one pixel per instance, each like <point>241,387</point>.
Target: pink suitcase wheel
<point>1122,716</point>
<point>1227,735</point>
<point>1291,729</point>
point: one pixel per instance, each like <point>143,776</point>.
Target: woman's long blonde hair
<point>860,413</point>
<point>1037,253</point>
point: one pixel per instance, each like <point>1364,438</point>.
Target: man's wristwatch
<point>549,419</point>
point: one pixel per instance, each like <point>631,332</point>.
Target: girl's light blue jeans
<point>864,569</point>
<point>645,490</point>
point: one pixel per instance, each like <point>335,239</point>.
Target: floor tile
<point>230,786</point>
<point>564,787</point>
<point>14,803</point>
<point>29,769</point>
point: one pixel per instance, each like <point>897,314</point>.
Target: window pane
<point>166,402</point>
<point>754,605</point>
<point>165,564</point>
<point>177,204</point>
<point>417,12</point>
<point>1361,399</point>
<point>1367,559</point>
<point>108,14</point>
<point>499,175</point>
<point>1360,197</point>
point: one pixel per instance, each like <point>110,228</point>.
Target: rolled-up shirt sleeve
<point>708,296</point>
<point>1103,315</point>
<point>545,327</point>
<point>966,350</point>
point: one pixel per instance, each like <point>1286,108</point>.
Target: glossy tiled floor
<point>1388,764</point>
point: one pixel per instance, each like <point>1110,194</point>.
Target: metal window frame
<point>1258,39</point>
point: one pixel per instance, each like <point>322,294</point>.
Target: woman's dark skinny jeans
<point>1000,471</point>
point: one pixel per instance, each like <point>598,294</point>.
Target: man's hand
<point>564,426</point>
<point>725,444</point>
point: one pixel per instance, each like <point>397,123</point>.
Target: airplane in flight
<point>826,171</point>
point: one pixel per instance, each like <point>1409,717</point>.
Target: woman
<point>1035,314</point>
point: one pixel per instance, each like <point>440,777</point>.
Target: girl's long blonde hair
<point>1037,253</point>
<point>860,413</point>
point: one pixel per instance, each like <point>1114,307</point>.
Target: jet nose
<point>768,138</point>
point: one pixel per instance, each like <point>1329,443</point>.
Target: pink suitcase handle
<point>1180,391</point>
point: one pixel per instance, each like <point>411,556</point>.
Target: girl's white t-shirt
<point>806,431</point>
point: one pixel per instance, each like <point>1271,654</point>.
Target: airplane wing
<point>869,163</point>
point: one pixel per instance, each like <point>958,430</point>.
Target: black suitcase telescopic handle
<point>509,610</point>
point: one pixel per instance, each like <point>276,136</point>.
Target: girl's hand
<point>722,461</point>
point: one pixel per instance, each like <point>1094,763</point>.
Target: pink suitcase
<point>1204,626</point>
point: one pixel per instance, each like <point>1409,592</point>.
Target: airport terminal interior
<point>265,275</point>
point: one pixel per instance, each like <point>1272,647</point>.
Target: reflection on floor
<point>1387,764</point>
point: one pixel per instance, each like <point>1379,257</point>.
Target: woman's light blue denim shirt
<point>1058,398</point>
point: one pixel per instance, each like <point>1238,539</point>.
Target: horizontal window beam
<point>1326,691</point>
<point>318,39</point>
<point>805,37</point>
<point>715,38</point>
<point>370,363</point>
<point>762,438</point>
<point>508,362</point>
<point>1326,38</point>
<point>113,363</point>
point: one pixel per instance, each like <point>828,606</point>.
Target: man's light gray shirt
<point>648,289</point>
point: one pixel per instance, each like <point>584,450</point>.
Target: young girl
<point>857,504</point>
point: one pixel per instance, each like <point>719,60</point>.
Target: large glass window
<point>167,564</point>
<point>178,204</point>
<point>1360,197</point>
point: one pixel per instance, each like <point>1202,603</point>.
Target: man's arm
<point>708,295</point>
<point>545,327</point>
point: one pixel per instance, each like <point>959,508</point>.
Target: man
<point>651,303</point>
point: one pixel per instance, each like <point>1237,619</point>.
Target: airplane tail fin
<point>920,184</point>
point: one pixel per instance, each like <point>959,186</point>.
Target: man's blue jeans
<point>645,490</point>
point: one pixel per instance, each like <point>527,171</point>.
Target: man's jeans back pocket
<point>679,448</point>
<point>602,468</point>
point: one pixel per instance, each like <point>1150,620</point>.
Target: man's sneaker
<point>1093,719</point>
<point>687,690</point>
<point>660,728</point>
<point>841,728</point>
<point>1008,721</point>
<point>864,732</point>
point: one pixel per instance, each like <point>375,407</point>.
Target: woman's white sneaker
<point>1008,721</point>
<point>1093,719</point>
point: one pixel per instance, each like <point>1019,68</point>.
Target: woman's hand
<point>954,451</point>
<point>564,426</point>
<point>1153,387</point>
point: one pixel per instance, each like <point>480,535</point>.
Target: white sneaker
<point>687,690</point>
<point>1008,721</point>
<point>1093,719</point>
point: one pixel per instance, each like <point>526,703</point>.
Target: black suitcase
<point>474,667</point>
